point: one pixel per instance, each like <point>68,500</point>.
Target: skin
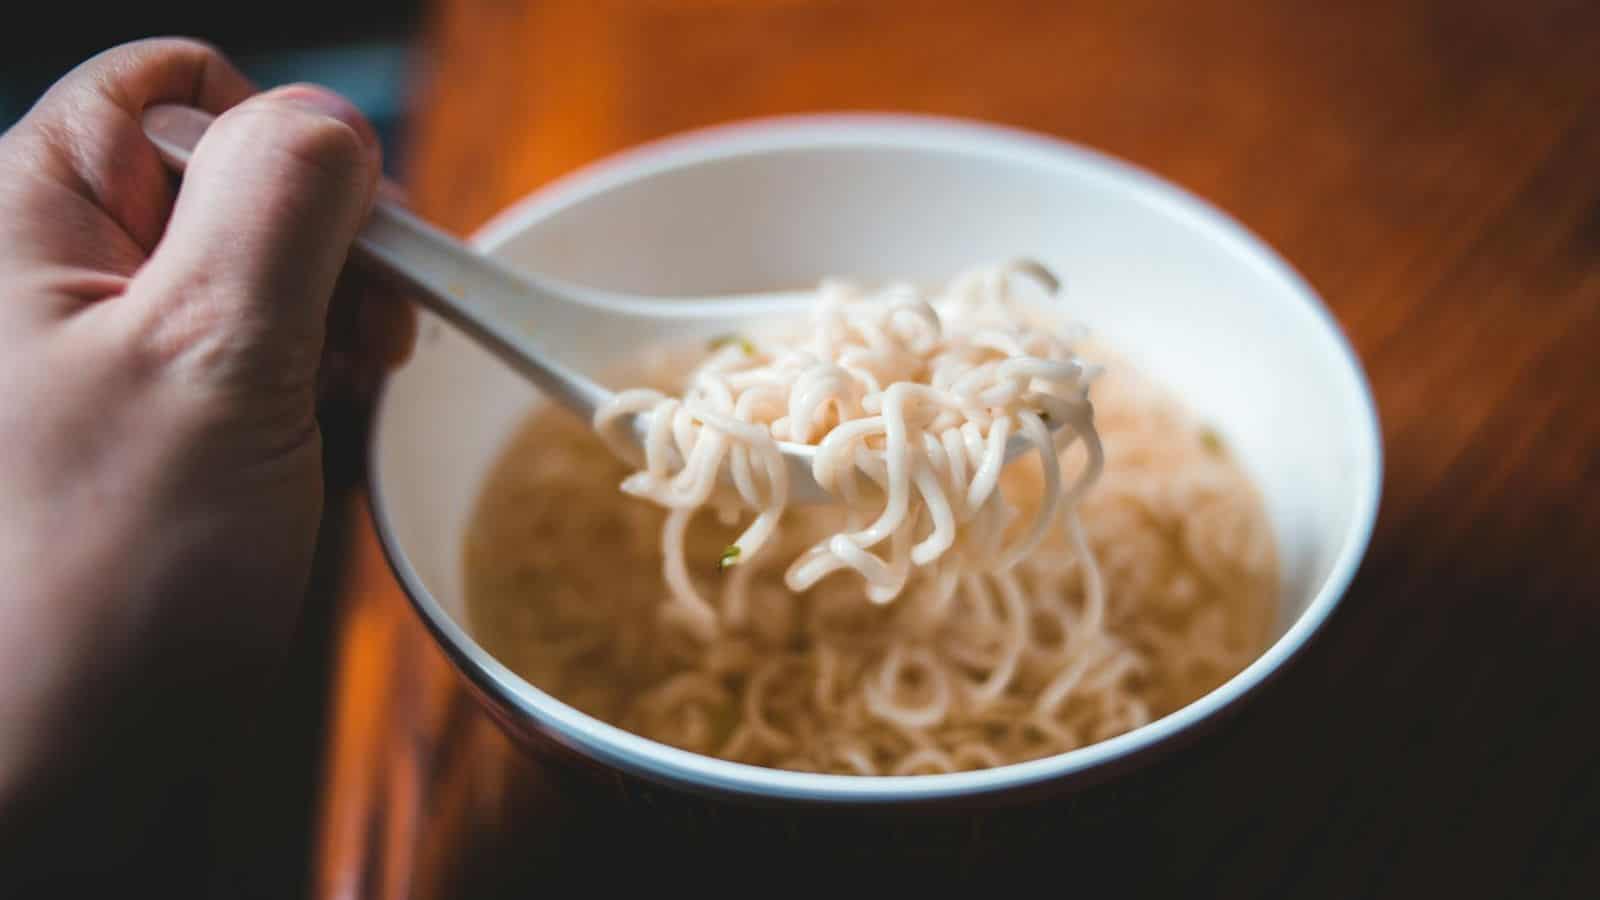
<point>162,354</point>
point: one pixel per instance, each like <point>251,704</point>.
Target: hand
<point>161,352</point>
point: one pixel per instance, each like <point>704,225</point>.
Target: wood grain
<point>1432,167</point>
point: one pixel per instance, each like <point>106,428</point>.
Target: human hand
<point>161,353</point>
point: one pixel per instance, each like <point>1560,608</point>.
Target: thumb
<point>270,202</point>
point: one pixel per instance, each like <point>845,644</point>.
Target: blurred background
<point>365,49</point>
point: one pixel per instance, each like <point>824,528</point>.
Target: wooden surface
<point>1432,167</point>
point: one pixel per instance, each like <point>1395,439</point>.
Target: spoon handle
<point>479,295</point>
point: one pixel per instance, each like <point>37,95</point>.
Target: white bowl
<point>1188,294</point>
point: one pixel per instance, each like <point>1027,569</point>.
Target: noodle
<point>898,390</point>
<point>949,612</point>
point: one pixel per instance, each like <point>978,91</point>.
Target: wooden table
<point>1432,166</point>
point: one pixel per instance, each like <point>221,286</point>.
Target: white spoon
<point>530,320</point>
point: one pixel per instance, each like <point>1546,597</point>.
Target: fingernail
<point>324,102</point>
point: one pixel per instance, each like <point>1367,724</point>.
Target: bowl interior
<point>1179,289</point>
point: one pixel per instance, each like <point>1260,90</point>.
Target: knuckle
<point>134,62</point>
<point>313,141</point>
<point>174,45</point>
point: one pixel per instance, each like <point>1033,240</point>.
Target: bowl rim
<point>621,749</point>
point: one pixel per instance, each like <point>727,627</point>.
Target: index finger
<point>86,128</point>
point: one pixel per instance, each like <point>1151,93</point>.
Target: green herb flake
<point>729,556</point>
<point>724,340</point>
<point>1212,441</point>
